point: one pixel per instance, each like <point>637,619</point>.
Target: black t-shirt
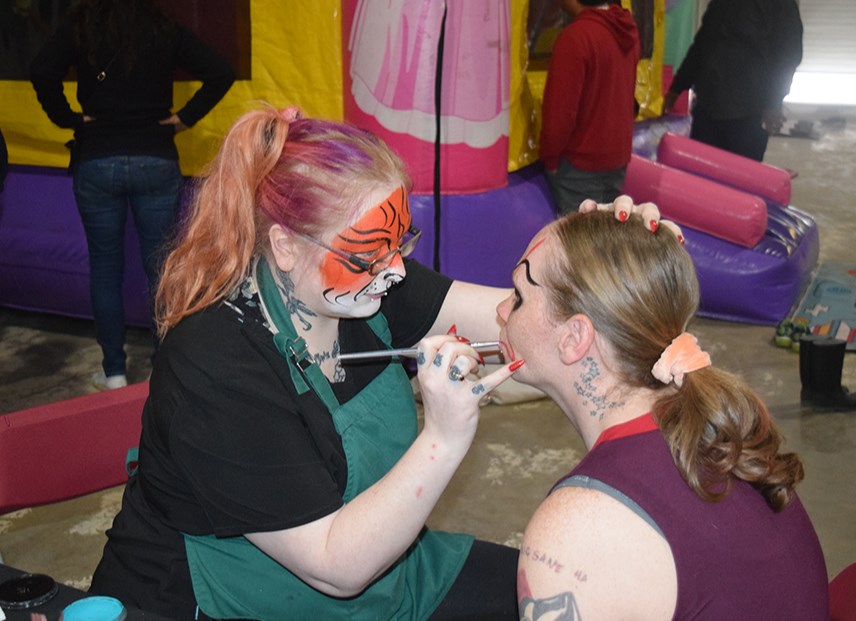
<point>229,447</point>
<point>128,104</point>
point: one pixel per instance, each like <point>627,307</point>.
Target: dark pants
<point>570,186</point>
<point>103,190</point>
<point>746,136</point>
<point>485,590</point>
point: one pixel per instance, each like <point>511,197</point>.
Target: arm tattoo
<point>586,389</point>
<point>542,557</point>
<point>295,307</point>
<point>561,607</point>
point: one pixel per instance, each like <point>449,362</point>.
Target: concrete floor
<point>520,449</point>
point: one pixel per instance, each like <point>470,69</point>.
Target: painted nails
<point>516,365</point>
<point>453,331</point>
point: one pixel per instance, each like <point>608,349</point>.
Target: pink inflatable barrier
<point>736,171</point>
<point>69,448</point>
<point>696,202</point>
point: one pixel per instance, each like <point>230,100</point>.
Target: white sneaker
<point>102,382</point>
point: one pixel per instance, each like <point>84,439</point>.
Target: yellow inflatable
<point>297,58</point>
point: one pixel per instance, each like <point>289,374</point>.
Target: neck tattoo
<point>298,310</point>
<point>585,388</point>
<point>338,371</point>
<point>295,307</point>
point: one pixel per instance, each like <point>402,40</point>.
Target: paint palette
<point>27,591</point>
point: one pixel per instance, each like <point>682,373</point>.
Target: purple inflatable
<point>44,263</point>
<point>43,259</point>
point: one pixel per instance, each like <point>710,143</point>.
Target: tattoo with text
<point>541,557</point>
<point>586,389</point>
<point>438,360</point>
<point>478,389</point>
<point>420,358</point>
<point>338,372</point>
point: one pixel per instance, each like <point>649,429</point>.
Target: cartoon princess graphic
<point>393,47</point>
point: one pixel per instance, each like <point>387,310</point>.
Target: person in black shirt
<point>125,53</point>
<point>740,65</point>
<point>276,480</point>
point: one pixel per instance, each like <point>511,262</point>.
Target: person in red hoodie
<point>589,104</point>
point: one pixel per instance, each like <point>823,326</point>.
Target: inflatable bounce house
<point>454,87</point>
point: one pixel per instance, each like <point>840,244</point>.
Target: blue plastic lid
<point>96,608</point>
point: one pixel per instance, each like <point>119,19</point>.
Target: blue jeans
<point>570,186</point>
<point>104,189</point>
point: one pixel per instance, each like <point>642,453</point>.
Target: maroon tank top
<point>736,559</point>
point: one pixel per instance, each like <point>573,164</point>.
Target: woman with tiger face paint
<point>275,482</point>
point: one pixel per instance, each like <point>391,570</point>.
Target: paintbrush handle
<point>409,352</point>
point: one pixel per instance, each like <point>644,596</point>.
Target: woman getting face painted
<point>685,505</point>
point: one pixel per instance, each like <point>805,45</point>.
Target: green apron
<point>232,578</point>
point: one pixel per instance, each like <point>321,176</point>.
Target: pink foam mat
<point>69,448</point>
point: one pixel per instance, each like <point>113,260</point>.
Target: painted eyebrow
<point>525,263</point>
<point>379,235</point>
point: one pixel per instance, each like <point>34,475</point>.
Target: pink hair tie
<point>682,356</point>
<point>290,114</point>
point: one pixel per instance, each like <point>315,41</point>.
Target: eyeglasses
<point>376,266</point>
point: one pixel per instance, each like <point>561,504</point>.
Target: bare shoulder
<point>585,555</point>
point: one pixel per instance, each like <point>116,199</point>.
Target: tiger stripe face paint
<point>376,233</point>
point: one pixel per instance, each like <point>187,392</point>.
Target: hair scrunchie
<point>682,356</point>
<point>290,114</point>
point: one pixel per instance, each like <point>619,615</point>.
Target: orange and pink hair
<point>274,167</point>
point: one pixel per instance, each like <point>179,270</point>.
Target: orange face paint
<point>377,232</point>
